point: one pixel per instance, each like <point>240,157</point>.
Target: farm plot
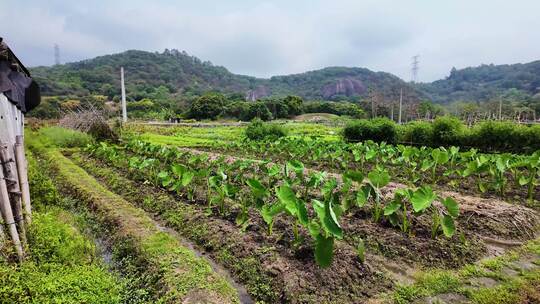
<point>293,227</point>
<point>366,224</point>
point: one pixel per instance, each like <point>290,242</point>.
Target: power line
<point>56,54</point>
<point>415,67</point>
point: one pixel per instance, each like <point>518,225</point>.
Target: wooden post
<point>14,190</point>
<point>124,106</point>
<point>7,214</point>
<point>22,170</point>
<point>400,105</point>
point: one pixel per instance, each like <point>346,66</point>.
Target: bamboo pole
<point>7,214</point>
<point>22,170</point>
<point>12,182</point>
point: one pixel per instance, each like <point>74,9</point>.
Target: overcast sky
<point>266,38</point>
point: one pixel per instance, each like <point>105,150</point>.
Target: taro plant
<point>397,210</point>
<point>326,228</point>
<point>177,179</point>
<point>498,169</point>
<point>347,195</point>
<point>295,207</point>
<point>377,180</point>
<point>439,157</point>
<point>533,170</point>
<point>222,190</point>
<point>422,200</point>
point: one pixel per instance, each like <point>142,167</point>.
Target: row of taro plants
<point>500,174</point>
<point>312,202</point>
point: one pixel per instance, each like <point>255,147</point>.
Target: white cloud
<point>265,38</point>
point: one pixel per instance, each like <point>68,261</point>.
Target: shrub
<point>208,106</point>
<point>533,138</point>
<point>258,130</point>
<point>447,131</point>
<point>419,132</point>
<point>257,110</point>
<point>378,129</point>
<point>494,135</point>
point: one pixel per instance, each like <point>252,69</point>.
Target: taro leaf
<point>482,187</point>
<point>379,178</point>
<point>371,154</point>
<point>166,180</point>
<point>394,219</point>
<point>422,198</point>
<point>451,206</point>
<point>257,188</point>
<point>222,175</point>
<point>268,212</point>
<point>336,206</point>
<point>502,163</point>
<point>274,170</point>
<point>391,208</point>
<point>296,166</point>
<point>329,187</point>
<point>448,226</point>
<point>229,190</point>
<point>315,179</point>
<point>523,180</point>
<point>330,220</point>
<point>355,176</point>
<point>287,197</point>
<point>187,177</point>
<point>303,217</point>
<point>178,169</point>
<point>440,156</point>
<point>324,250</point>
<point>314,229</point>
<point>363,195</point>
<point>426,164</point>
<point>214,181</point>
<point>319,209</point>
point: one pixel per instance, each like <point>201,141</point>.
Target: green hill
<point>486,82</point>
<point>188,75</point>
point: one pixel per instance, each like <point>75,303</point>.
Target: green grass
<point>509,289</point>
<point>64,138</point>
<point>61,267</point>
<point>179,271</point>
<point>184,136</point>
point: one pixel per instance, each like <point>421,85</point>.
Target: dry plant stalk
<point>88,120</point>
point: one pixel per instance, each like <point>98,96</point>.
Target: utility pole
<point>400,105</point>
<point>124,108</point>
<point>500,108</point>
<point>56,54</point>
<point>414,68</point>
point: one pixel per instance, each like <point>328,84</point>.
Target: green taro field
<point>204,215</point>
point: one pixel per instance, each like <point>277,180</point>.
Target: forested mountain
<point>486,82</point>
<point>183,74</point>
